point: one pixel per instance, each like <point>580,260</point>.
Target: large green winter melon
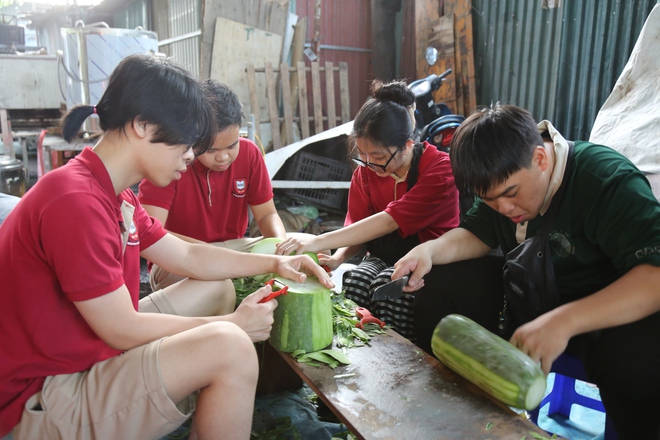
<point>303,317</point>
<point>267,246</point>
<point>488,361</point>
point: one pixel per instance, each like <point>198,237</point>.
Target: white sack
<point>629,121</point>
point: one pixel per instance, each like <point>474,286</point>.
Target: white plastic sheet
<point>629,121</point>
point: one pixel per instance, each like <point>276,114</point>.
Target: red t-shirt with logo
<point>209,205</point>
<point>63,243</point>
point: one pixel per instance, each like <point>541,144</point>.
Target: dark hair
<point>492,144</point>
<point>155,91</point>
<point>226,106</point>
<point>385,119</point>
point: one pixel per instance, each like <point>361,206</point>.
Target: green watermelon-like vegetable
<point>303,317</point>
<point>267,246</point>
<point>488,361</point>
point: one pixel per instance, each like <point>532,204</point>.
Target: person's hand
<point>254,318</point>
<point>417,263</point>
<point>543,339</point>
<point>329,261</point>
<point>297,267</point>
<point>297,245</point>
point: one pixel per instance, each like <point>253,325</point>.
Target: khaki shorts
<point>120,398</point>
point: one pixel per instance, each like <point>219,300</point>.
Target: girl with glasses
<point>402,193</point>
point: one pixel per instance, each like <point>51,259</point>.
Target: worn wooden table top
<point>393,390</point>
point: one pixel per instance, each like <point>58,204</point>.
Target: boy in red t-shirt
<point>81,356</point>
<point>211,200</point>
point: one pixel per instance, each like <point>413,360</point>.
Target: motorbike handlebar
<point>444,74</point>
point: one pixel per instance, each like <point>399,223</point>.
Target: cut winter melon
<point>303,317</point>
<point>266,246</point>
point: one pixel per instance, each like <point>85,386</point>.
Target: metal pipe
<point>180,38</point>
<point>346,48</point>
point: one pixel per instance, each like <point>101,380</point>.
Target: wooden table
<point>394,390</point>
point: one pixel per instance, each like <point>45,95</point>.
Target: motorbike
<point>435,121</point>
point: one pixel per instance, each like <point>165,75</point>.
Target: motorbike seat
<point>440,124</point>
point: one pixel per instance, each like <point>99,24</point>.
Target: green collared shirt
<point>608,222</point>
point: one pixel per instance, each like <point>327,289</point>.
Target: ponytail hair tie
<point>95,110</point>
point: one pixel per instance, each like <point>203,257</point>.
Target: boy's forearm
<point>346,253</point>
<point>457,244</point>
<point>272,226</point>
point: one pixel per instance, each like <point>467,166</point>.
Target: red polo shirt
<point>213,206</point>
<point>429,209</point>
<point>62,244</point>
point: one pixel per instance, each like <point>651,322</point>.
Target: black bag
<point>529,275</point>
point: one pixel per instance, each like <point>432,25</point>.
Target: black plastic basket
<point>311,167</point>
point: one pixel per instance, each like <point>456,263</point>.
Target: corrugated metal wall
<point>176,18</point>
<point>346,29</point>
<point>559,63</point>
<point>133,15</point>
<point>170,19</point>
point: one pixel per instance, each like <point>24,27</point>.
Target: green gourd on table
<point>488,361</point>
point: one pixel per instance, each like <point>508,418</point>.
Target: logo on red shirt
<point>240,187</point>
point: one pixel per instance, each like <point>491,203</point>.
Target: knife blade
<point>391,290</point>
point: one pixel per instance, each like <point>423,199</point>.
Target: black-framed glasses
<point>373,166</point>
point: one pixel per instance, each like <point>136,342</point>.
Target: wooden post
<point>330,94</point>
<point>442,38</point>
<point>297,48</point>
<point>462,10</point>
<point>254,100</point>
<point>303,108</point>
<point>286,103</point>
<point>316,96</point>
<point>272,106</point>
<point>426,12</point>
<point>343,92</point>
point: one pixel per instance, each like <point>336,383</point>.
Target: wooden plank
<point>303,108</point>
<point>393,390</point>
<point>272,107</point>
<point>241,12</point>
<point>316,97</point>
<point>286,104</point>
<point>442,38</point>
<point>235,46</point>
<point>330,94</point>
<point>469,48</point>
<point>462,10</point>
<point>426,11</point>
<point>297,48</point>
<point>343,92</point>
<point>460,101</point>
<point>254,100</point>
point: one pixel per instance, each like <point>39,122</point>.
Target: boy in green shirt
<point>605,249</point>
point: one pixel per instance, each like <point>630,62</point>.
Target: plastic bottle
<point>310,212</point>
